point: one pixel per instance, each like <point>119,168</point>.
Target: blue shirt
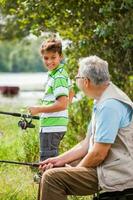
<point>110,116</point>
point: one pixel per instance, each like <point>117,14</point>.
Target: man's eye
<point>45,58</point>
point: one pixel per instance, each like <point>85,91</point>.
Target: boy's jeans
<point>49,144</point>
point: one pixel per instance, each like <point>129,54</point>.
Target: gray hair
<point>95,69</point>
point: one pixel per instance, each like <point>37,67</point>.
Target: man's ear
<point>86,82</point>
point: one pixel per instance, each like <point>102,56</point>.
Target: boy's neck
<point>56,67</point>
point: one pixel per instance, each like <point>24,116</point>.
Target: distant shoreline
<point>25,81</point>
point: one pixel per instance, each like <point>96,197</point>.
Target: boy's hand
<point>33,110</point>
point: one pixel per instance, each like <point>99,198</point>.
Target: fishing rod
<point>20,163</point>
<point>19,115</point>
<point>23,123</point>
<point>27,164</point>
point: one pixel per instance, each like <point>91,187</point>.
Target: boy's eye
<point>45,58</point>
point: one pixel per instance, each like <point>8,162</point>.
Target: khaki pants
<point>57,183</point>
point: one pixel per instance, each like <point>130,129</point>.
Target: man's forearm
<point>77,152</point>
<point>96,156</point>
<point>90,160</point>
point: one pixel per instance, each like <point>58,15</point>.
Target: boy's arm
<point>71,95</point>
<point>60,104</point>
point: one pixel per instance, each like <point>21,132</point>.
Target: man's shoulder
<point>112,104</point>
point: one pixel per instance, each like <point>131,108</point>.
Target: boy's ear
<point>62,57</point>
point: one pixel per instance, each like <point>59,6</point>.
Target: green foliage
<point>96,27</point>
<point>17,181</point>
<point>17,145</point>
<point>14,138</point>
<point>5,49</point>
<point>20,56</point>
<point>79,117</point>
<point>31,145</point>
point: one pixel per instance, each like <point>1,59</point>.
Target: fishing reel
<point>24,124</point>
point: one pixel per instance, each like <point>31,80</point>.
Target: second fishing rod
<point>25,119</point>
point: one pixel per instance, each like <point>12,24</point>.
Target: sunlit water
<point>31,87</point>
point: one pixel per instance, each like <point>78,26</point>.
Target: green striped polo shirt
<point>58,84</point>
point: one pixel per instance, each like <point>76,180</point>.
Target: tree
<point>101,27</point>
<point>20,56</point>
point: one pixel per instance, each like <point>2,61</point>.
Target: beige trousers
<point>57,183</point>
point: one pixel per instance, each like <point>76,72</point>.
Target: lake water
<point>31,87</point>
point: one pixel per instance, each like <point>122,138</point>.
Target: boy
<point>54,113</point>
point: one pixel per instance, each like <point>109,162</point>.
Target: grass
<point>15,144</point>
<point>16,182</point>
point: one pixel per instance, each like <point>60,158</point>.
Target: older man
<point>107,151</point>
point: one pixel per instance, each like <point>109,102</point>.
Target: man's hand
<point>50,163</point>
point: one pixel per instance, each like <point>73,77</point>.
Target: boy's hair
<point>53,45</point>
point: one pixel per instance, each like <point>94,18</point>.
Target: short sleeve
<point>61,87</point>
<point>107,125</point>
<point>69,84</point>
<point>89,128</point>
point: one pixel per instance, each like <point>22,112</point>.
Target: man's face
<point>84,85</point>
<point>51,59</point>
<point>80,82</point>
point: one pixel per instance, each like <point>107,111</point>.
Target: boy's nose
<point>49,61</point>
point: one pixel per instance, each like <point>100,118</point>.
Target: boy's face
<point>51,59</point>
